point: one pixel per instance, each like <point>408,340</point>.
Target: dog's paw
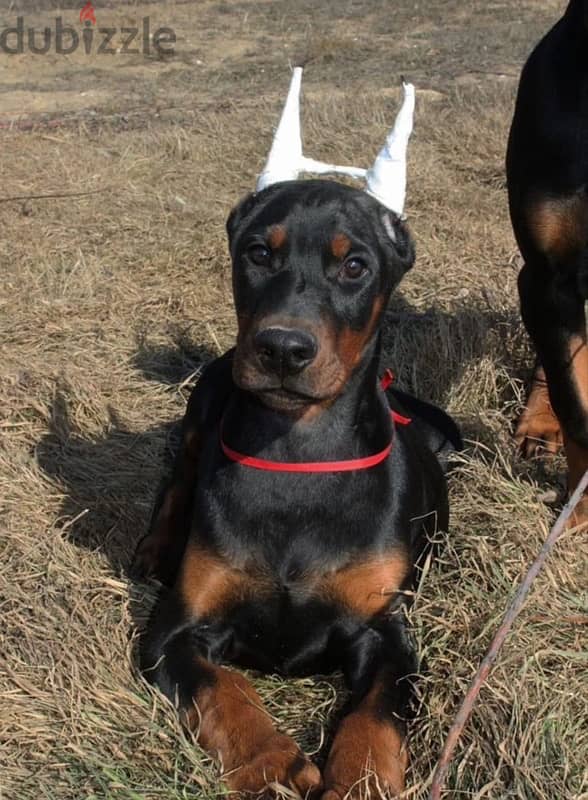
<point>367,787</point>
<point>368,758</point>
<point>280,764</point>
<point>538,430</point>
<point>538,435</point>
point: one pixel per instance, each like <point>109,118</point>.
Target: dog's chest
<point>294,579</point>
<point>291,639</point>
<point>291,627</point>
<point>294,524</point>
<point>307,555</point>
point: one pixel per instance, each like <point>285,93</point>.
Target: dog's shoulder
<point>434,426</point>
<point>209,396</point>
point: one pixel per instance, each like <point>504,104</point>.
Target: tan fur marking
<point>538,428</point>
<point>340,245</point>
<point>230,722</point>
<point>207,582</point>
<point>228,704</point>
<point>276,236</point>
<point>368,756</point>
<point>350,344</point>
<point>367,589</point>
<point>560,227</point>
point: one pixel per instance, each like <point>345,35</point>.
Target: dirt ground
<point>112,300</point>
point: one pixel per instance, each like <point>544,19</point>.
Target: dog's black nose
<point>285,351</point>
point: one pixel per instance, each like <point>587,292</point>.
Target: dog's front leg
<point>187,635</point>
<point>369,756</point>
<point>159,554</point>
<point>227,715</point>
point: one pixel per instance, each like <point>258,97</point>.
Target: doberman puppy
<point>298,510</point>
<point>547,168</point>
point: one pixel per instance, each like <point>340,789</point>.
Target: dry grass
<point>111,303</point>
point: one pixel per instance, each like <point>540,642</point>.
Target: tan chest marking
<point>207,583</point>
<point>368,588</point>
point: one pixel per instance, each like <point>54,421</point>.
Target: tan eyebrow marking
<point>340,245</point>
<point>277,236</point>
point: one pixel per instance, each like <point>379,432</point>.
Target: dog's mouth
<point>318,385</point>
<point>283,399</point>
<point>279,395</point>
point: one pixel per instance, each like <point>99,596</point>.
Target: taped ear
<point>386,178</point>
<point>396,237</point>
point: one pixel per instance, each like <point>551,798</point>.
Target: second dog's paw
<point>538,430</point>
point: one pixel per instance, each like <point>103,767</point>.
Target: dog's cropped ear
<point>396,237</point>
<point>238,214</point>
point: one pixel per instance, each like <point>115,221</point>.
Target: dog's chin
<point>280,398</point>
<point>285,401</point>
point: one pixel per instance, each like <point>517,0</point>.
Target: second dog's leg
<point>553,312</point>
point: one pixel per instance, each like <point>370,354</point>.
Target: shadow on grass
<point>109,483</point>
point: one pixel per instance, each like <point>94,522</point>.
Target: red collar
<point>319,466</point>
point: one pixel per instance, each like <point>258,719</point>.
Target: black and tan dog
<point>299,508</point>
<point>547,166</point>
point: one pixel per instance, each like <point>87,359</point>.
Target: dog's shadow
<point>109,482</point>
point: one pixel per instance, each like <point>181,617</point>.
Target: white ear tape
<point>388,227</point>
<point>283,162</point>
<point>386,180</point>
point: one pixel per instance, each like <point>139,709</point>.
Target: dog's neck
<point>355,424</point>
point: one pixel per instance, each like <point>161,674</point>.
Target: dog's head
<point>314,263</point>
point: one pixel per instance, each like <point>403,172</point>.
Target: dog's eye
<point>259,255</point>
<point>353,269</point>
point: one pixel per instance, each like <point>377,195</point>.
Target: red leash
<point>319,466</point>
